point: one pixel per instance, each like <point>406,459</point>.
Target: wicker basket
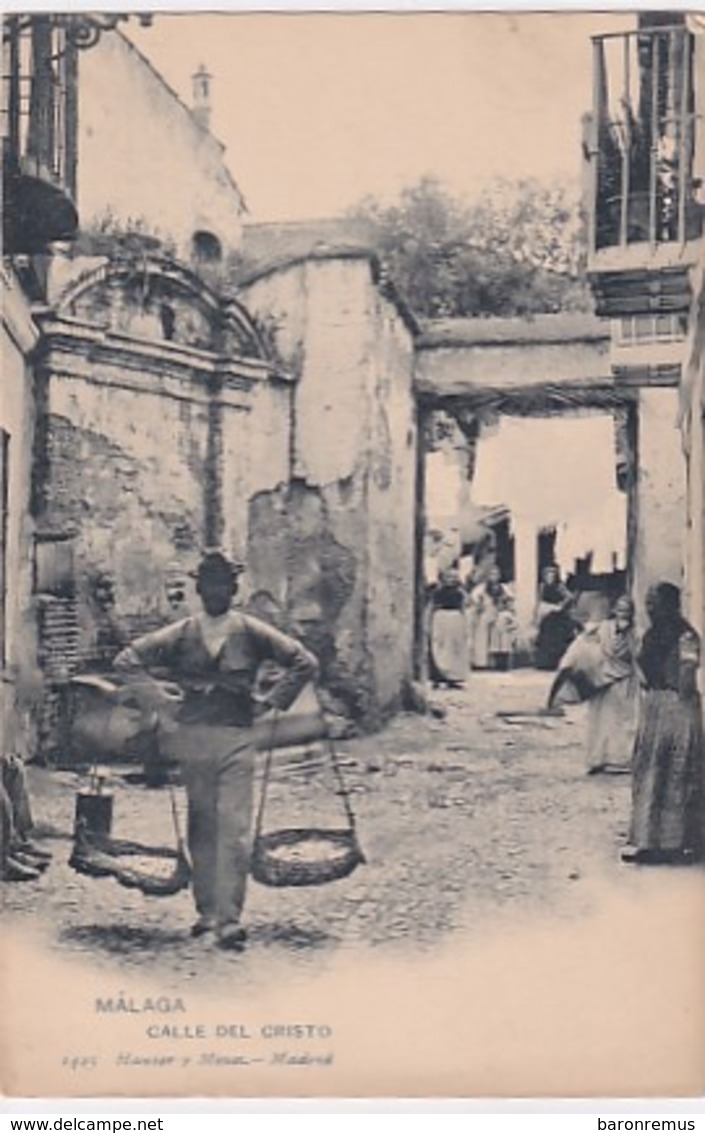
<point>132,864</point>
<point>298,857</point>
<point>111,858</point>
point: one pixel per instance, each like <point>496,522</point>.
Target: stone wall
<point>391,502</point>
<point>692,420</point>
<point>127,468</point>
<point>331,546</point>
<point>458,356</point>
<point>145,447</point>
<point>661,493</point>
<point>17,416</point>
<point>303,465</point>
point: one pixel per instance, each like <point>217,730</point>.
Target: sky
<point>318,110</point>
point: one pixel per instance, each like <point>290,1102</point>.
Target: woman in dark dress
<point>556,628</point>
<point>449,663</point>
<point>669,765</point>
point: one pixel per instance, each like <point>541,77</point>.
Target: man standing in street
<point>208,726</point>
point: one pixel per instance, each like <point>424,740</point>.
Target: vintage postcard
<point>352,554</point>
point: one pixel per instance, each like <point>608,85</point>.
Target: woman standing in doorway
<point>668,795</point>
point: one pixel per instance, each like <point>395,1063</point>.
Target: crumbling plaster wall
<point>148,440</point>
<point>17,417</point>
<point>127,469</point>
<point>332,543</point>
<point>692,424</point>
<point>391,501</point>
<point>315,464</point>
<point>661,499</point>
<point>458,369</point>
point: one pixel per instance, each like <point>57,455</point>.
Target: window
<point>206,248</point>
<point>38,92</point>
<point>53,565</point>
<point>641,330</point>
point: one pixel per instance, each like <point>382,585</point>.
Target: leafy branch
<point>518,248</point>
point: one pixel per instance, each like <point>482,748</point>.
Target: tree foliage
<point>516,249</point>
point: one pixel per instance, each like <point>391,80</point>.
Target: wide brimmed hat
<point>215,559</point>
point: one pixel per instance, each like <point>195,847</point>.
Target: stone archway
<point>147,383</point>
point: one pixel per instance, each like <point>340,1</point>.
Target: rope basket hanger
<point>305,855</point>
<point>156,871</point>
<point>96,855</point>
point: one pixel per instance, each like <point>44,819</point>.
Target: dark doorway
<point>546,550</point>
<point>504,549</point>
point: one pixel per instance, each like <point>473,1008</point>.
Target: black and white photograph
<point>351,554</point>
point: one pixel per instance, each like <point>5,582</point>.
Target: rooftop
<point>276,246</point>
<point>571,326</point>
<point>273,246</point>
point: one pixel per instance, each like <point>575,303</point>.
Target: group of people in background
<point>644,715</point>
<point>474,625</point>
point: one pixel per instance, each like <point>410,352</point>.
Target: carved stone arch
<point>146,296</point>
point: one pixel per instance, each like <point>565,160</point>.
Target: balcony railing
<point>38,125</point>
<point>642,141</point>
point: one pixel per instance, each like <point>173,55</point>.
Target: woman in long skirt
<point>600,667</point>
<point>493,629</point>
<point>448,633</point>
<point>612,709</point>
<point>555,627</point>
<point>668,795</point>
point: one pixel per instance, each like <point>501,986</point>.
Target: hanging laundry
<point>557,472</point>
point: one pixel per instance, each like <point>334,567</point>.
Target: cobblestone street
<point>493,942</point>
<point>464,821</point>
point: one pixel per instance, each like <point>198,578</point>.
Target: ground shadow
<point>291,936</point>
<point>45,831</point>
<point>121,938</point>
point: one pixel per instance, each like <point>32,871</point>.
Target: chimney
<point>202,97</point>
